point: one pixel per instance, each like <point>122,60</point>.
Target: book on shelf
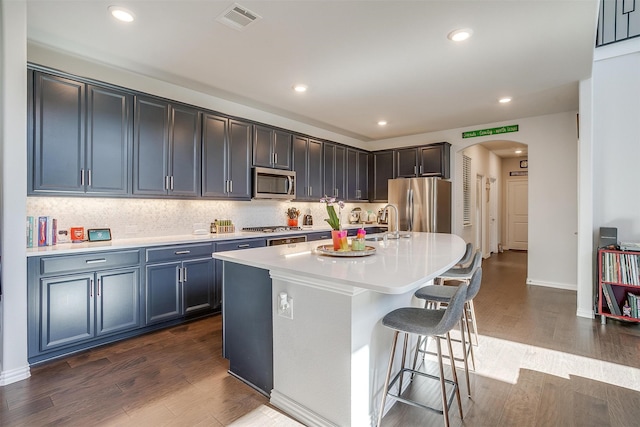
<point>31,224</point>
<point>610,297</point>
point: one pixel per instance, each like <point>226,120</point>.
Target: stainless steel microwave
<point>274,184</point>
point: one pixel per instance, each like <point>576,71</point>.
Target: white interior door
<point>493,215</point>
<point>517,214</point>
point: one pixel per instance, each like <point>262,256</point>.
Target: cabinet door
<point>163,294</point>
<point>66,310</point>
<point>117,301</point>
<point>330,170</point>
<point>58,142</point>
<point>314,170</point>
<point>109,135</point>
<point>214,155</point>
<point>352,175</point>
<point>434,160</point>
<point>198,285</point>
<point>282,149</point>
<point>184,149</point>
<point>363,175</point>
<point>262,147</point>
<point>301,166</point>
<point>340,168</point>
<point>407,159</point>
<point>151,147</point>
<point>382,172</point>
<point>239,160</point>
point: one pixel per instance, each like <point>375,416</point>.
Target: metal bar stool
<point>444,294</point>
<point>464,274</point>
<point>431,323</point>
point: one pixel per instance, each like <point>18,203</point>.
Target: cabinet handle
<point>171,182</point>
<point>230,186</point>
<point>246,245</point>
<point>81,176</point>
<point>90,288</point>
<point>275,158</point>
<point>184,274</point>
<point>89,176</point>
<point>182,252</point>
<point>420,169</point>
<point>166,182</point>
<point>179,274</point>
<point>310,190</point>
<point>99,286</point>
<point>325,237</point>
<point>415,170</point>
<point>96,261</point>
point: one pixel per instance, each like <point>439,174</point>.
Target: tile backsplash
<point>130,218</point>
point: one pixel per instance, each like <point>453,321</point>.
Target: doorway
<point>480,229</point>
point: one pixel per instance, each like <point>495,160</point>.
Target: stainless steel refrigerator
<point>424,204</point>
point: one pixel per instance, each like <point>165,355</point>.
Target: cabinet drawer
<point>240,244</point>
<point>88,262</point>
<point>179,252</point>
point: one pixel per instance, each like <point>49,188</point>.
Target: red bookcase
<point>618,283</point>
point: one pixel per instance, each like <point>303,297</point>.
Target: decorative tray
<point>328,250</point>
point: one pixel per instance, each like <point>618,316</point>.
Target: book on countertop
<point>30,230</point>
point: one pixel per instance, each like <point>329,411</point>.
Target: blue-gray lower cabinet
<point>180,281</point>
<point>77,301</point>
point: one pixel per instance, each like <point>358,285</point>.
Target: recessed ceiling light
<point>121,14</point>
<point>460,35</point>
<point>518,151</point>
<point>382,123</point>
<point>504,100</point>
<point>300,88</point>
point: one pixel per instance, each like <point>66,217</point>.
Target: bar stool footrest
<point>413,372</point>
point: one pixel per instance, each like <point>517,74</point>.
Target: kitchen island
<point>315,320</point>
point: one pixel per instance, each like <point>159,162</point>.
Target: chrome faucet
<point>396,233</point>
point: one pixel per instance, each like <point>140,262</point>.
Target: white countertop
<point>72,248</point>
<point>397,267</point>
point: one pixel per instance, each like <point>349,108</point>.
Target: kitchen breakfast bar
<point>305,328</point>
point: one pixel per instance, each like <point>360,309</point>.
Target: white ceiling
<point>363,60</point>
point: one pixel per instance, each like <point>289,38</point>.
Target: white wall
<point>553,223</point>
<point>13,144</point>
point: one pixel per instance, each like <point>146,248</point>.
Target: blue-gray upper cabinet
<point>357,175</point>
<point>166,149</point>
<point>80,137</point>
<point>334,170</point>
<point>307,163</point>
<point>382,170</point>
<point>428,160</point>
<point>271,148</point>
<point>226,158</point>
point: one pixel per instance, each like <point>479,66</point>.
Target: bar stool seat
<point>424,322</point>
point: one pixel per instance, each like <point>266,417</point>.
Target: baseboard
<point>556,285</point>
<point>589,314</point>
<point>297,411</point>
<point>14,375</point>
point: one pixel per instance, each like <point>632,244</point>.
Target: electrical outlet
<point>285,305</point>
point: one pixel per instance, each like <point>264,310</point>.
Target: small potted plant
<point>338,235</point>
<point>292,216</point>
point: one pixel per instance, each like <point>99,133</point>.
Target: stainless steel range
<point>272,229</point>
<point>277,229</point>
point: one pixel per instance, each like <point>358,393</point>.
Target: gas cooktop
<point>272,228</point>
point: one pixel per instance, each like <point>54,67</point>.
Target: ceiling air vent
<point>238,17</point>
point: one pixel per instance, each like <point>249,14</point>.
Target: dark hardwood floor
<point>537,365</point>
